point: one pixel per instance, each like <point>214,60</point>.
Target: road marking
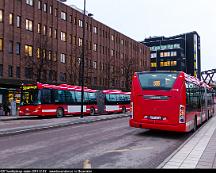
<point>130,149</point>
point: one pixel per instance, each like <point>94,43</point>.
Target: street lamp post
<point>83,61</point>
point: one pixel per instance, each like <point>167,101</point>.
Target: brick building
<point>41,40</point>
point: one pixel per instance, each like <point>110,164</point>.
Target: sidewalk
<point>51,123</point>
<point>199,151</point>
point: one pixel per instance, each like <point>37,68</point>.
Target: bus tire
<point>59,113</point>
<point>124,110</point>
<point>195,124</point>
<point>92,111</point>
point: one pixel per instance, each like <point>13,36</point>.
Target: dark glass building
<point>176,53</point>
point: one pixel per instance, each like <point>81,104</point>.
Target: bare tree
<point>40,61</point>
<point>73,66</point>
<point>127,69</point>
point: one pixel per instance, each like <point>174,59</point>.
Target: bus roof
<point>64,87</point>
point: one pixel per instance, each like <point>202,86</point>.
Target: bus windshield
<point>157,81</point>
<point>29,96</point>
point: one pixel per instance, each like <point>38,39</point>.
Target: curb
<point>181,146</point>
<point>18,130</point>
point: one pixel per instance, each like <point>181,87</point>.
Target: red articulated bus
<point>56,100</point>
<point>171,101</point>
<point>113,101</point>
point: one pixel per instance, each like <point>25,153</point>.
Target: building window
<point>50,32</point>
<point>112,37</point>
<point>55,12</point>
<point>49,55</point>
<point>153,64</point>
<point>28,73</point>
<point>161,54</point>
<point>62,58</point>
<point>44,53</point>
<point>18,21</point>
<point>112,52</point>
<point>153,55</point>
<point>45,7</point>
<point>173,53</point>
<point>80,23</point>
<point>122,42</point>
<point>1,70</point>
<point>29,25</point>
<point>55,57</point>
<point>95,47</point>
<point>18,72</point>
<point>62,77</point>
<point>10,47</point>
<point>50,9</point>
<point>63,36</point>
<point>63,15</point>
<point>44,30</point>
<point>10,19</point>
<point>1,44</point>
<point>10,71</point>
<point>29,2</point>
<point>80,42</point>
<point>1,15</point>
<point>173,63</point>
<point>94,64</point>
<point>38,53</point>
<point>166,54</point>
<point>55,33</point>
<point>28,50</point>
<point>95,30</point>
<point>38,28</point>
<point>18,48</point>
<point>161,63</point>
<point>39,5</point>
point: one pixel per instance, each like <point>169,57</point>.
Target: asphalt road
<point>107,144</point>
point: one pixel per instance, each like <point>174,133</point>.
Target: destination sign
<point>29,87</point>
<point>157,83</point>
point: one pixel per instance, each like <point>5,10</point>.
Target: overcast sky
<point>139,19</point>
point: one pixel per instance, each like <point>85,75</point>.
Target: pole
<point>83,61</point>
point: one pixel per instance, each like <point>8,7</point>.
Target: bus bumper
<point>165,127</point>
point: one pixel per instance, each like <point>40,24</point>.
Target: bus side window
<point>46,96</point>
<point>59,96</point>
<point>69,97</point>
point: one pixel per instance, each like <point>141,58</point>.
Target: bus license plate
<point>155,117</point>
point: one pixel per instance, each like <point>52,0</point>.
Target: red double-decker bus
<point>52,100</point>
<point>113,101</point>
<point>172,101</point>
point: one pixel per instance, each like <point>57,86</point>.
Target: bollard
<point>86,164</point>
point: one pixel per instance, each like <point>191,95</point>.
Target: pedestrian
<point>6,108</point>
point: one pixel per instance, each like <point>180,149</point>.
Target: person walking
<point>6,108</point>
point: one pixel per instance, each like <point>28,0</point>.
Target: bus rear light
<point>131,110</point>
<point>182,114</point>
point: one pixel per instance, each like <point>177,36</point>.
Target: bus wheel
<point>59,113</point>
<point>92,111</point>
<point>195,124</point>
<point>124,110</point>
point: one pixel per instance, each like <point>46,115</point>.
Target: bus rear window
<point>157,81</point>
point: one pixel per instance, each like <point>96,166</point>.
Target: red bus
<point>172,101</point>
<point>52,100</point>
<point>113,101</point>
